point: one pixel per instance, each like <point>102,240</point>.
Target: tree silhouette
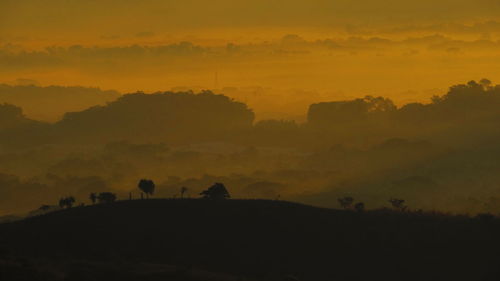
<point>346,202</point>
<point>67,202</point>
<point>183,191</point>
<point>398,204</point>
<point>147,186</point>
<point>360,207</point>
<point>217,191</point>
<point>70,201</point>
<point>106,197</point>
<point>93,197</point>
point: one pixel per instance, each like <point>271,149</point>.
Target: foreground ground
<point>247,240</point>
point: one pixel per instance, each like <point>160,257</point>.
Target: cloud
<point>54,16</point>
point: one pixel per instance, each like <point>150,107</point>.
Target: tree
<point>398,204</point>
<point>486,83</point>
<point>217,192</point>
<point>346,202</point>
<point>360,207</point>
<point>106,197</point>
<point>93,197</point>
<point>70,201</point>
<point>183,190</point>
<point>66,202</point>
<point>147,186</point>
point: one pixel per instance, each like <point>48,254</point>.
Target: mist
<point>303,100</point>
<point>439,155</point>
<point>249,140</point>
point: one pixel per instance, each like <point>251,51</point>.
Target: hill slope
<point>265,240</point>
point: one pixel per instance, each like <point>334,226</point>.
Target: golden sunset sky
<point>265,53</point>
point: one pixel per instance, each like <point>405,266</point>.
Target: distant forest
<point>50,103</point>
<point>366,148</point>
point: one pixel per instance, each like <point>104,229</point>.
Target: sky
<point>278,57</point>
<point>53,16</point>
<point>405,50</point>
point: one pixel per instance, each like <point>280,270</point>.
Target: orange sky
<point>405,50</point>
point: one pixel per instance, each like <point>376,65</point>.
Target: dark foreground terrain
<point>246,240</point>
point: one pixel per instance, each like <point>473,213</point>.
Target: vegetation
<point>106,197</point>
<point>67,202</point>
<point>93,150</point>
<point>360,207</point>
<point>147,186</point>
<point>93,197</point>
<point>398,204</point>
<point>183,191</point>
<point>346,202</point>
<point>216,192</point>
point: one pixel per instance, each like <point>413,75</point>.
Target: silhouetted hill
<point>16,130</point>
<point>50,103</point>
<point>174,118</point>
<point>12,116</point>
<point>265,240</point>
<point>168,116</point>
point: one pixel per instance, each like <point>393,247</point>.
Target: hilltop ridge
<point>263,239</point>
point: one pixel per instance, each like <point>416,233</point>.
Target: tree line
<point>348,203</point>
<point>147,187</point>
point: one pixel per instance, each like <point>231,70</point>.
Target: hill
<point>180,116</point>
<point>264,240</point>
<point>50,103</point>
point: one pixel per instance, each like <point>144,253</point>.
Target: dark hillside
<point>265,240</point>
<point>177,117</point>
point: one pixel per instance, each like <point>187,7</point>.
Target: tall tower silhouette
<point>216,80</point>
